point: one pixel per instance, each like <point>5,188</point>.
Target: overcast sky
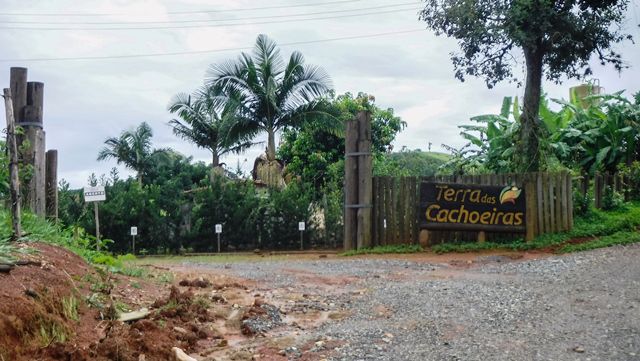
<point>89,100</point>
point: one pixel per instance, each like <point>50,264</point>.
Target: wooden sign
<point>470,207</point>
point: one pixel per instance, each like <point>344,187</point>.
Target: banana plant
<point>601,136</point>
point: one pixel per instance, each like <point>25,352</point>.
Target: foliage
<point>314,152</point>
<point>557,39</point>
<point>632,177</point>
<point>409,163</point>
<point>581,203</point>
<point>601,136</point>
<point>133,149</point>
<point>404,248</point>
<point>611,199</point>
<point>4,171</point>
<point>203,122</point>
<point>617,238</point>
<point>268,94</point>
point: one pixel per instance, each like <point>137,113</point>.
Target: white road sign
<point>134,231</point>
<point>94,194</point>
<point>300,226</point>
<point>218,228</point>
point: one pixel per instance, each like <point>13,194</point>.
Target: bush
<point>632,177</point>
<point>611,199</point>
<point>581,203</point>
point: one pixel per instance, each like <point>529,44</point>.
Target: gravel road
<point>583,306</point>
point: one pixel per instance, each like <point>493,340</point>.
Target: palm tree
<point>203,124</point>
<point>266,93</point>
<point>132,148</point>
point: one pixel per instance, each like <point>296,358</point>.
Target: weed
<point>166,277</point>
<point>404,248</point>
<point>202,301</point>
<point>70,308</point>
<point>136,285</point>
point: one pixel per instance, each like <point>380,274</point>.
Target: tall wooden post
<point>51,184</point>
<point>14,180</point>
<point>350,184</point>
<point>28,100</point>
<point>365,180</point>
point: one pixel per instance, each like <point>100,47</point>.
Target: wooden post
<point>18,85</point>
<point>350,184</point>
<point>51,184</point>
<point>365,175</point>
<point>14,180</point>
<point>95,213</point>
<point>482,237</point>
<point>32,116</point>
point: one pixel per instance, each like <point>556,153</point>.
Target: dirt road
<point>583,306</point>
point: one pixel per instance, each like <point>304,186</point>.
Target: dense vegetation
<point>176,202</point>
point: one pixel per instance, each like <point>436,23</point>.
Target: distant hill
<point>410,163</point>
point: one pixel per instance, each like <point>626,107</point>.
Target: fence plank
<point>569,183</point>
<point>559,195</point>
<point>540,201</point>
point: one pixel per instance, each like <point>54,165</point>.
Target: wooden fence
<point>598,182</point>
<point>396,204</point>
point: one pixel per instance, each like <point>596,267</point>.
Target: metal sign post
<point>301,227</point>
<point>218,232</point>
<point>134,233</point>
<point>95,195</point>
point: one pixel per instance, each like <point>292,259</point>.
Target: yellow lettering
<point>518,220</point>
<point>449,195</point>
<point>428,212</point>
<point>452,218</point>
<point>440,189</point>
<point>442,215</point>
<point>485,218</point>
<point>475,196</point>
<point>508,219</point>
<point>473,215</point>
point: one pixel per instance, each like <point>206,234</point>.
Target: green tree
<point>202,122</point>
<point>268,94</point>
<point>133,149</point>
<point>556,37</point>
<point>311,151</point>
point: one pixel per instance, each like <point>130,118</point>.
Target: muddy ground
<point>487,306</point>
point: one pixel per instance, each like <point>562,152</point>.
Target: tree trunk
<point>140,179</point>
<point>215,160</point>
<point>529,123</point>
<point>271,145</point>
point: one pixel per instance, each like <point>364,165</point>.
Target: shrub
<point>611,199</point>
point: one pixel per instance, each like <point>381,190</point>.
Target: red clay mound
<point>42,304</point>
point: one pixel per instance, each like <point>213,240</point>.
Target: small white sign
<point>94,194</point>
<point>218,228</point>
<point>300,226</point>
<point>134,231</point>
<point>384,223</point>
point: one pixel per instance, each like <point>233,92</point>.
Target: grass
<point>404,248</point>
<point>619,226</point>
<point>70,308</point>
